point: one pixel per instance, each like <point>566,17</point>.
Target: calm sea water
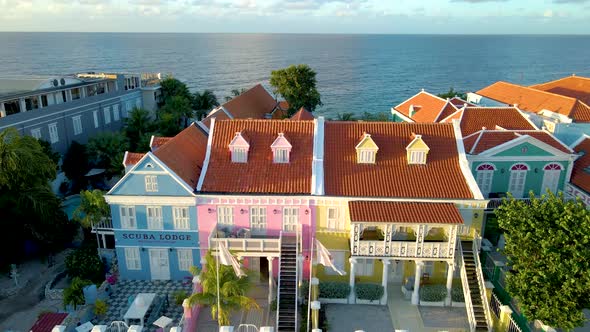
<point>356,73</point>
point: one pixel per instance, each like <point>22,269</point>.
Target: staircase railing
<point>481,282</point>
<point>297,249</point>
<point>279,282</point>
<point>466,291</point>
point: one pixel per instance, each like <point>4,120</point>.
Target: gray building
<point>75,107</point>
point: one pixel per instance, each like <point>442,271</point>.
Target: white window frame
<point>258,219</point>
<point>53,133</point>
<point>36,133</point>
<point>290,219</point>
<point>367,156</point>
<point>239,155</point>
<point>281,156</point>
<point>334,223</point>
<point>132,259</point>
<point>484,178</point>
<point>185,259</point>
<point>77,124</point>
<point>128,108</point>
<point>551,177</point>
<point>517,182</point>
<point>151,183</point>
<point>339,259</point>
<point>116,115</point>
<point>154,217</point>
<point>95,116</point>
<point>107,115</point>
<point>418,157</point>
<point>225,215</point>
<point>128,217</point>
<point>180,215</point>
<point>365,267</point>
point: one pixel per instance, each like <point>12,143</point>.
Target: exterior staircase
<point>287,289</point>
<point>477,306</point>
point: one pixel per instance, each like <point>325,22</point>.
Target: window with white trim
<point>53,134</point>
<point>364,267</point>
<point>154,217</point>
<point>225,215</point>
<point>151,183</point>
<point>107,115</point>
<point>290,219</point>
<point>257,219</point>
<point>132,259</point>
<point>333,222</point>
<point>95,116</point>
<point>239,155</point>
<point>485,175</point>
<point>77,124</point>
<point>128,108</point>
<point>36,133</point>
<point>551,175</point>
<point>338,257</point>
<point>367,156</point>
<point>180,216</point>
<point>185,259</point>
<point>281,156</point>
<point>417,157</point>
<point>128,217</point>
<point>116,114</point>
<point>517,180</point>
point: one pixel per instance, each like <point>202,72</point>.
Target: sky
<point>300,16</point>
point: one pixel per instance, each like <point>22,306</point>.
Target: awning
<point>404,212</point>
<point>95,171</point>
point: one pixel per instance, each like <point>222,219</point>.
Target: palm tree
<point>232,290</point>
<point>345,117</point>
<point>203,102</point>
<point>234,93</point>
<point>137,124</point>
<point>93,208</point>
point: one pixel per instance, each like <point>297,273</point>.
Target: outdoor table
<point>163,322</point>
<point>135,328</point>
<point>139,307</point>
<point>86,327</point>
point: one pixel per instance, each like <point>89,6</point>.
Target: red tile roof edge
<point>404,212</point>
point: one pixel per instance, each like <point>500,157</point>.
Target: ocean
<point>355,73</point>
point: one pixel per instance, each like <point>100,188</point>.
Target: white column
<point>416,293</point>
<point>23,105</point>
<point>270,280</point>
<point>384,278</point>
<point>104,241</point>
<point>352,297</point>
<point>450,270</point>
<point>69,95</point>
<point>39,101</point>
<point>2,110</point>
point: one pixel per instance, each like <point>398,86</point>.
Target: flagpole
<point>218,298</point>
<point>309,283</point>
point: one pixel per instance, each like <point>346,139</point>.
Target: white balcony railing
<point>245,243</point>
<point>103,227</point>
<point>402,249</point>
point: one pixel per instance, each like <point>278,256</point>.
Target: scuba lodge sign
<point>187,239</point>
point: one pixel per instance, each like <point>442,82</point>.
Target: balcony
<point>402,249</point>
<point>104,227</point>
<point>241,241</point>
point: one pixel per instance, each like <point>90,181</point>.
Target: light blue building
<point>153,209</point>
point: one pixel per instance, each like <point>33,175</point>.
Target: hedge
<point>334,290</point>
<point>371,292</point>
<point>457,294</point>
<point>433,293</point>
<point>85,264</point>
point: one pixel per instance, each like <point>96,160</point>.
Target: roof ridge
<point>536,90</point>
<point>559,79</point>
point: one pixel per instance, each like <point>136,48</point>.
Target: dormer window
<point>366,150</point>
<point>238,148</point>
<point>281,149</point>
<point>417,150</point>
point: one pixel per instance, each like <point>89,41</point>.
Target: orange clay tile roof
<point>428,107</point>
<point>460,102</point>
<point>184,154</point>
<point>580,176</point>
<point>252,104</point>
<point>572,86</point>
<point>391,176</point>
<point>404,212</point>
<point>218,115</point>
<point>159,141</point>
<point>446,111</point>
<point>260,174</point>
<point>455,116</point>
<point>131,158</point>
<point>47,322</point>
<point>474,118</point>
<point>283,105</point>
<point>535,101</point>
<point>487,139</point>
<point>302,114</point>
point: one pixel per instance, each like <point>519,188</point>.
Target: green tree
<point>54,156</point>
<point>180,108</point>
<point>233,290</point>
<point>137,124</point>
<point>75,164</point>
<point>234,93</point>
<point>93,208</point>
<point>345,117</point>
<point>204,102</point>
<point>297,84</point>
<point>172,87</point>
<point>106,150</point>
<point>548,248</point>
<point>168,124</point>
<point>452,93</point>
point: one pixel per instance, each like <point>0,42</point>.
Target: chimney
<point>411,111</point>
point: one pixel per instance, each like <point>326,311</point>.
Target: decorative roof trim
<point>579,141</point>
<point>207,156</point>
<point>464,164</point>
<point>317,165</point>
<point>281,138</point>
<point>202,126</point>
<point>366,137</point>
<point>401,115</point>
<point>519,140</point>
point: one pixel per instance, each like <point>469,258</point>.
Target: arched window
<point>551,176</point>
<point>484,177</point>
<point>517,180</point>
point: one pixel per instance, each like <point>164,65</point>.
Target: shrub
<point>457,294</point>
<point>74,294</point>
<point>273,305</point>
<point>433,293</point>
<point>85,263</point>
<point>371,292</point>
<point>334,290</point>
<point>304,290</point>
<point>100,308</point>
<point>179,296</point>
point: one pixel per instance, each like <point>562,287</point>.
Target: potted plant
<point>112,281</point>
<point>74,294</point>
<point>100,308</point>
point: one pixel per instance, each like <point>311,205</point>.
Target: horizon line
<point>312,33</point>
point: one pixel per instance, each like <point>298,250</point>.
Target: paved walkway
<point>350,318</point>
